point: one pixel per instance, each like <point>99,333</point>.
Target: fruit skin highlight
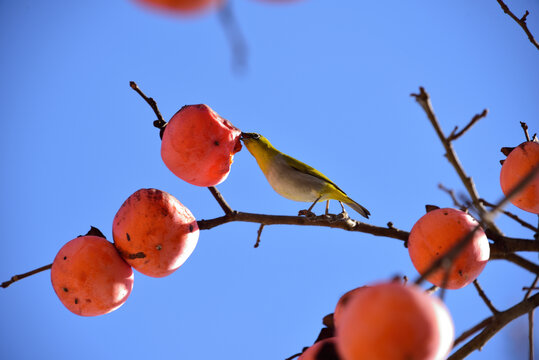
<point>154,232</point>
<point>391,321</point>
<point>198,145</point>
<point>90,277</point>
<point>185,7</point>
<point>436,233</point>
<point>518,164</point>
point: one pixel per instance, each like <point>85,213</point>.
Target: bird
<point>294,179</point>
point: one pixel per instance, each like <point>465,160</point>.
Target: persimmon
<point>520,161</point>
<point>323,349</point>
<point>181,6</point>
<point>392,321</point>
<point>342,303</point>
<point>154,232</point>
<point>198,145</point>
<point>435,234</point>
<point>90,277</point>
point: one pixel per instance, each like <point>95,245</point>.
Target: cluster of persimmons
<point>155,234</point>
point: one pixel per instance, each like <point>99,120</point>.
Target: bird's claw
<point>306,213</point>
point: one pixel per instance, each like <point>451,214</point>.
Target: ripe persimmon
<point>342,303</point>
<point>323,349</point>
<point>198,145</point>
<point>392,321</point>
<point>520,161</point>
<point>154,232</point>
<point>435,234</point>
<point>90,277</point>
<point>181,6</point>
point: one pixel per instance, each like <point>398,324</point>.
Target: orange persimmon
<point>198,145</point>
<point>90,277</point>
<point>436,233</point>
<point>520,161</point>
<point>154,232</point>
<point>392,321</point>
<point>342,303</point>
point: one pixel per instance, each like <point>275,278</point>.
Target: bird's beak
<point>248,136</point>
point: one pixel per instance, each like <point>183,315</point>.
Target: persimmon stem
<point>15,278</point>
<point>221,200</point>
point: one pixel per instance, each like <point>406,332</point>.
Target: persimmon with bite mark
<point>154,232</point>
<point>198,145</point>
<point>90,277</point>
<point>520,161</point>
<point>435,234</point>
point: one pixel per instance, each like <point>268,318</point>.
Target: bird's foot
<point>343,215</point>
<point>306,213</point>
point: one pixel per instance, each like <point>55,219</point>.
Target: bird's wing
<point>306,169</point>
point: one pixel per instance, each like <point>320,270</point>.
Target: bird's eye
<point>256,136</point>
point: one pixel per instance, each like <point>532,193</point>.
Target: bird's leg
<point>327,207</point>
<point>343,213</point>
<point>308,212</point>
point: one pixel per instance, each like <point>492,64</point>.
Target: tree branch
<point>484,297</point>
<point>455,135</point>
<point>423,99</point>
<point>497,323</point>
<point>521,22</point>
<point>15,278</point>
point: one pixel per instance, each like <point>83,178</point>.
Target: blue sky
<point>329,84</point>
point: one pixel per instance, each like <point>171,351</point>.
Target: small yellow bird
<point>293,179</point>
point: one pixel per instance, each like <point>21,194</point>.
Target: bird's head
<point>257,145</point>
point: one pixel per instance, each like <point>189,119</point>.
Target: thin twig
<point>15,278</point>
<point>259,234</point>
<point>466,334</point>
<point>521,22</point>
<point>530,320</point>
<point>423,99</point>
<point>487,217</point>
<point>485,297</point>
<point>160,123</point>
<point>221,200</point>
<point>293,356</point>
<point>234,36</point>
<point>455,135</point>
<point>511,215</point>
<point>517,260</point>
<point>525,128</point>
<point>451,193</point>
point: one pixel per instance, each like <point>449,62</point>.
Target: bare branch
<point>517,260</point>
<point>160,123</point>
<point>423,99</point>
<point>454,136</point>
<point>221,200</point>
<point>525,128</point>
<point>234,35</point>
<point>466,334</point>
<point>521,22</point>
<point>511,215</point>
<point>485,297</point>
<point>259,234</point>
<point>15,278</point>
<point>498,322</point>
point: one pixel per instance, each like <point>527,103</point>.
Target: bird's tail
<point>360,209</point>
